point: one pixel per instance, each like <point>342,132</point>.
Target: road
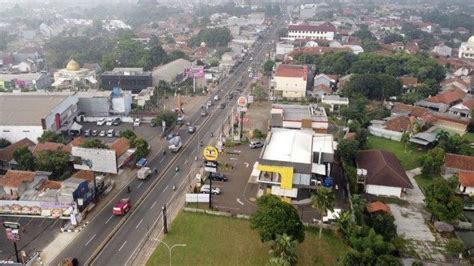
<point>117,237</point>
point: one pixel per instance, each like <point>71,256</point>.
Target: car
<point>101,122</point>
<point>109,121</point>
<point>188,124</point>
<point>206,189</point>
<point>222,105</point>
<point>122,207</point>
<point>209,103</point>
<point>171,135</point>
<point>117,133</point>
<point>218,177</point>
<point>117,121</point>
<point>94,133</point>
<point>251,58</point>
<point>137,122</point>
<point>87,133</point>
<point>254,144</point>
<point>179,120</point>
<point>216,97</point>
<point>250,75</point>
<point>102,133</point>
<point>110,133</point>
<point>203,113</point>
<point>152,123</point>
<point>191,129</point>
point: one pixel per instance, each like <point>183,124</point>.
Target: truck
<point>175,144</point>
<point>143,173</point>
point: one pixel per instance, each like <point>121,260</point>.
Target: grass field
<point>424,182</point>
<point>408,159</point>
<point>213,240</point>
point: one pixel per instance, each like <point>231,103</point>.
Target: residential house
<point>393,128</point>
<point>290,81</point>
<point>409,83</point>
<point>381,173</point>
<point>454,163</point>
<point>6,154</point>
<point>326,79</point>
<point>15,182</point>
<point>377,206</point>
<point>443,100</point>
<point>463,109</point>
<point>466,182</point>
<point>299,117</point>
<point>335,102</point>
<point>284,48</point>
<point>443,50</point>
<point>29,81</point>
<point>466,50</point>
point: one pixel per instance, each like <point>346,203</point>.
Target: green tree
<point>454,144</point>
<point>212,37</point>
<point>142,148</point>
<point>323,200</point>
<point>384,225</point>
<point>284,247</point>
<point>53,161</point>
<point>392,37</point>
<point>4,143</point>
<point>442,201</point>
<point>455,246</point>
<point>168,116</point>
<point>176,54</point>
<point>346,150</point>
<point>24,158</point>
<point>278,261</point>
<point>258,93</point>
<point>431,162</point>
<point>371,247</point>
<point>275,217</point>
<point>128,134</point>
<point>49,136</point>
<point>268,66</point>
<point>94,143</point>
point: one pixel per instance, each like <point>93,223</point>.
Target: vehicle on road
<point>171,135</point>
<point>141,163</point>
<point>110,133</point>
<point>87,133</point>
<point>175,144</point>
<point>206,189</point>
<point>222,105</point>
<point>179,120</point>
<point>144,173</point>
<point>102,133</point>
<point>250,75</point>
<point>191,129</point>
<point>117,121</point>
<point>218,177</point>
<point>203,113</point>
<point>94,133</point>
<point>216,97</point>
<point>137,122</point>
<point>109,121</point>
<point>101,122</point>
<point>209,103</point>
<point>255,144</point>
<point>122,207</point>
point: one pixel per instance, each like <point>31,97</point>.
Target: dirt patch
<point>257,116</point>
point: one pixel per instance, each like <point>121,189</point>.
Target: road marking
<point>153,205</point>
<point>246,164</point>
<point>109,219</point>
<point>87,243</point>
<point>165,188</point>
<point>232,158</point>
<point>139,223</point>
<point>122,245</point>
<point>161,160</point>
<point>141,183</point>
<point>240,202</point>
<point>185,161</point>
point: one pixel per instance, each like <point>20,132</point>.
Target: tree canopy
<point>24,158</point>
<point>373,86</point>
<point>168,116</point>
<point>53,161</point>
<point>213,37</point>
<point>442,201</point>
<point>94,143</point>
<point>431,162</point>
<point>49,136</point>
<point>4,143</point>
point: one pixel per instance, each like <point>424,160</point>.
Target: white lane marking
<point>246,164</point>
<point>165,188</point>
<point>139,223</point>
<point>141,183</point>
<point>161,160</point>
<point>87,243</point>
<point>109,219</point>
<point>122,245</point>
<point>240,202</point>
<point>232,158</point>
<point>153,205</point>
<point>185,161</point>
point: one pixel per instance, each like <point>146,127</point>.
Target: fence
<point>384,133</point>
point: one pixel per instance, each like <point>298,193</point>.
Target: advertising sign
<point>13,234</point>
<point>97,160</point>
<point>211,153</point>
<point>195,72</point>
<point>242,101</point>
<point>197,197</point>
<point>210,166</point>
<point>42,209</point>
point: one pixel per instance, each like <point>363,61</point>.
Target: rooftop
<point>466,178</point>
<point>448,97</point>
<point>285,145</point>
<point>120,145</point>
<point>295,112</point>
<point>14,178</point>
<point>377,206</point>
<point>6,154</point>
<point>462,162</point>
<point>292,71</point>
<point>326,26</point>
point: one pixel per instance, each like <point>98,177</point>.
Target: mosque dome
<point>471,40</point>
<point>73,65</point>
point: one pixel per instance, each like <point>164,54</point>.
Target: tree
<point>176,54</point>
<point>53,161</point>
<point>285,248</point>
<point>346,150</point>
<point>370,247</point>
<point>442,201</point>
<point>384,225</point>
<point>268,66</point>
<point>49,136</point>
<point>278,261</point>
<point>24,158</point>
<point>275,217</point>
<point>373,86</point>
<point>94,143</point>
<point>258,93</point>
<point>168,116</point>
<point>454,144</point>
<point>128,134</point>
<point>392,37</point>
<point>4,143</point>
<point>323,200</point>
<point>455,246</point>
<point>212,37</point>
<point>431,162</point>
<point>142,148</point>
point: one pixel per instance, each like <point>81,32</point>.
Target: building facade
<point>132,79</point>
<point>466,50</point>
<point>324,31</point>
<point>290,81</point>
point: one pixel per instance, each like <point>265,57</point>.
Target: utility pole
<point>165,220</point>
<point>210,191</point>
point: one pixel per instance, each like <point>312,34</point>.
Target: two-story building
<point>324,31</point>
<point>290,81</point>
<point>290,116</point>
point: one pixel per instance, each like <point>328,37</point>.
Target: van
<point>216,97</point>
<point>110,133</point>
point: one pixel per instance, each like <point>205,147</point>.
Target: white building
<point>322,31</point>
<point>290,116</point>
<point>335,102</point>
<point>74,76</point>
<point>283,48</point>
<point>93,103</point>
<point>28,115</point>
<point>308,11</point>
<point>443,50</point>
<point>466,50</point>
<point>290,81</point>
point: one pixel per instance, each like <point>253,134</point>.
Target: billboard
<point>43,209</point>
<point>97,160</point>
<point>195,72</point>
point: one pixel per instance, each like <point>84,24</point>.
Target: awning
<point>291,193</point>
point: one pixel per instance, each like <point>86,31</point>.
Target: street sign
<point>210,153</point>
<point>11,225</point>
<point>242,101</point>
<point>210,166</point>
<point>13,234</point>
<point>241,109</point>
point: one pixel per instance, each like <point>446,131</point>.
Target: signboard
<point>97,160</point>
<point>195,72</point>
<point>210,166</point>
<point>241,109</point>
<point>54,210</point>
<point>250,99</point>
<point>210,153</point>
<point>242,101</point>
<point>197,197</point>
<point>11,225</point>
<point>13,234</point>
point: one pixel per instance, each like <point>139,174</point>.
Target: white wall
<point>383,190</point>
<point>386,134</point>
<point>291,87</point>
<point>16,133</point>
<point>469,190</point>
<point>313,35</point>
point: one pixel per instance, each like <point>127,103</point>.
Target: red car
<point>122,207</point>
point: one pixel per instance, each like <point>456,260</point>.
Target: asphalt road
<point>127,235</point>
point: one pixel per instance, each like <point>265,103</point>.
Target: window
<point>26,131</point>
<point>6,130</point>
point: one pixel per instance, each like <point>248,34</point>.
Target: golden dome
<point>73,65</point>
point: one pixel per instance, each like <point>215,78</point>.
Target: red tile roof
<point>466,178</point>
<point>292,71</point>
<point>325,27</point>
<point>469,103</point>
<point>398,124</point>
<point>76,142</point>
<point>323,87</point>
<point>51,146</point>
<point>409,81</point>
<point>120,145</point>
<point>49,184</point>
<point>377,206</point>
<point>461,162</point>
<point>14,178</point>
<point>383,169</point>
<point>448,97</point>
<point>84,174</point>
<point>6,154</point>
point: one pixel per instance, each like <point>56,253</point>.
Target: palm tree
<point>323,200</point>
<point>283,247</point>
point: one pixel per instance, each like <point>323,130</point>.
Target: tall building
<point>322,31</point>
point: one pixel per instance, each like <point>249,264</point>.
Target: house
<point>466,50</point>
<point>50,146</point>
<point>30,81</point>
<point>325,30</point>
<point>325,79</point>
<point>284,48</point>
<point>443,50</point>
<point>443,100</point>
<point>335,102</point>
<point>15,182</point>
<point>466,182</point>
<point>311,117</point>
<point>408,83</point>
<point>6,154</point>
<point>25,66</point>
<point>321,90</point>
<point>170,72</point>
<point>463,109</point>
<point>454,163</point>
<point>381,173</point>
<point>393,128</point>
<point>290,81</point>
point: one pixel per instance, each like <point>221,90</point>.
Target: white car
<point>102,133</point>
<point>206,189</point>
<point>251,75</point>
<point>109,121</point>
<point>136,122</point>
<point>110,133</point>
<point>101,122</point>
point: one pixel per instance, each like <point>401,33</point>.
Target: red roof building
<point>454,163</point>
<point>378,206</point>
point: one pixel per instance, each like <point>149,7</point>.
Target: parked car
<point>102,133</point>
<point>110,133</point>
<point>117,133</point>
<point>171,135</point>
<point>254,144</point>
<point>109,121</point>
<point>152,123</point>
<point>191,129</point>
<point>87,133</point>
<point>203,113</point>
<point>117,121</point>
<point>206,189</point>
<point>94,133</point>
<point>216,97</point>
<point>137,122</point>
<point>101,122</point>
<point>218,177</point>
<point>179,120</point>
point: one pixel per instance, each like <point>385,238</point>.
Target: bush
<point>455,246</point>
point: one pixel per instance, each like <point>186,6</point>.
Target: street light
<point>171,248</point>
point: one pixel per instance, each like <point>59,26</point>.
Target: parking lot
<point>35,233</point>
